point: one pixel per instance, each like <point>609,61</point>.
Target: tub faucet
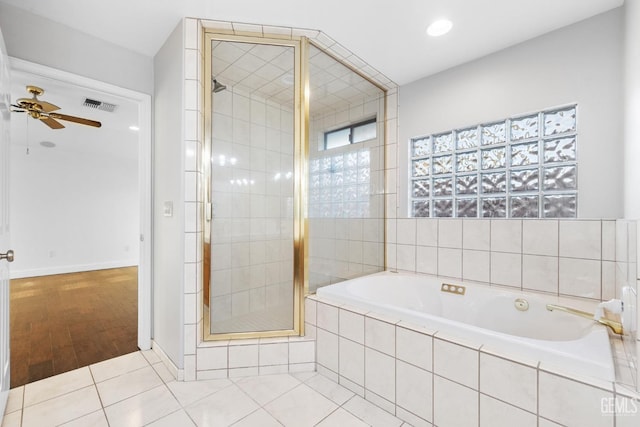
<point>616,327</point>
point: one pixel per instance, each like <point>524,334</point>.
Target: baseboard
<point>173,369</point>
<point>64,269</point>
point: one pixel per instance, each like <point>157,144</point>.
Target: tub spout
<point>616,327</point>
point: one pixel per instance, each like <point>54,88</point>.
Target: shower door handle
<point>8,255</point>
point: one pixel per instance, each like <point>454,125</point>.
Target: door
<point>252,229</point>
<point>4,226</point>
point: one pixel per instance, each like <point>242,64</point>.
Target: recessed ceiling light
<point>439,28</point>
<point>134,127</point>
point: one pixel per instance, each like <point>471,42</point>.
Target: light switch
<point>167,209</point>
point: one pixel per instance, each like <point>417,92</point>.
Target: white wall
<point>632,108</point>
<point>36,39</point>
<point>72,211</point>
<point>632,137</point>
<point>580,63</point>
<point>168,231</point>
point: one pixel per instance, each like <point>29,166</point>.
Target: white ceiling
<point>268,71</point>
<point>114,138</point>
<point>387,34</point>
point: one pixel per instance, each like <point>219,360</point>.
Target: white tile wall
<point>540,237</point>
<point>456,362</point>
<point>571,402</point>
<point>509,381</point>
<point>496,413</point>
<point>214,360</point>
<point>414,347</point>
<point>581,239</point>
<point>414,388</point>
<point>436,379</point>
<point>380,374</point>
<point>461,411</point>
<point>563,257</point>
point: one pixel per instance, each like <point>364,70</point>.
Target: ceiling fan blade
<point>48,107</point>
<point>74,119</point>
<point>53,124</point>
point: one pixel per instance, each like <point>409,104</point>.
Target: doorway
<point>80,220</point>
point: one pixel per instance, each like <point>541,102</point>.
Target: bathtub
<point>485,316</point>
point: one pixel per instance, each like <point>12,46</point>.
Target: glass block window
<point>520,167</point>
<point>340,185</point>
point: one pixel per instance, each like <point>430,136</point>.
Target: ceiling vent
<point>99,105</point>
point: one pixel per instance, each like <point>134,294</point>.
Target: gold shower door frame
<point>300,228</point>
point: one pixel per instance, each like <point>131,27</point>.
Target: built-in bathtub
<point>488,316</point>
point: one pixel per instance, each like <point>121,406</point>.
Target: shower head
<point>217,86</point>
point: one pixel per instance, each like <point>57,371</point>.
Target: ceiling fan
<point>44,111</point>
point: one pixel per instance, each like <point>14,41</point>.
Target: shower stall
<point>294,187</point>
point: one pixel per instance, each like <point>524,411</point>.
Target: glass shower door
<point>251,188</point>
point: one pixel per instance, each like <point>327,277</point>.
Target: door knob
<point>8,256</point>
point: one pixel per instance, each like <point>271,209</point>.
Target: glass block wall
<point>522,167</point>
<point>340,184</point>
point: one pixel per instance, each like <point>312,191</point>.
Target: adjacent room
<point>75,219</point>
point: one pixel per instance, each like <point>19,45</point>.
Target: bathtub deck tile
<point>416,328</point>
<point>354,309</point>
<point>383,317</point>
<point>452,338</point>
<point>511,356</point>
<point>627,391</point>
<point>351,326</point>
<point>414,390</point>
<point>463,410</point>
<point>351,361</point>
<point>328,317</point>
<point>561,371</point>
<point>565,401</point>
<point>414,347</point>
<point>510,382</point>
<point>494,413</point>
<point>380,335</point>
<point>455,362</point>
<point>380,374</point>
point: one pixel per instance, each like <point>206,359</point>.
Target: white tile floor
<point>137,390</point>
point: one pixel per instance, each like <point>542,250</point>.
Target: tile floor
<point>138,390</point>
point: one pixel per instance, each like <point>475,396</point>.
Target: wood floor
<point>66,321</point>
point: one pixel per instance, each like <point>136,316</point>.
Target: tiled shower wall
<point>343,248</point>
<point>252,255</point>
<point>346,200</point>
